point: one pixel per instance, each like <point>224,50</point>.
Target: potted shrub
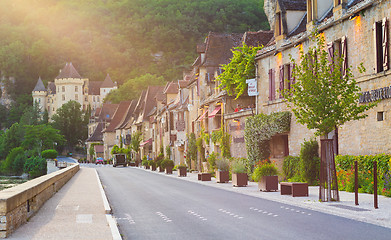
<point>222,172</point>
<point>266,176</point>
<point>239,174</point>
<point>145,163</point>
<point>168,165</point>
<point>159,165</point>
<point>182,170</point>
<point>153,165</point>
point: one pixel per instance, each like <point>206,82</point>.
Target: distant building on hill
<point>69,85</point>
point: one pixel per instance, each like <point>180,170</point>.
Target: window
<point>63,88</point>
<point>278,24</point>
<point>381,45</point>
<point>380,116</point>
<point>76,89</point>
<point>76,97</point>
<point>63,97</point>
<point>338,48</point>
<point>97,98</point>
<point>272,91</point>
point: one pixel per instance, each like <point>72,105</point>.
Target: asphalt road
<point>151,206</point>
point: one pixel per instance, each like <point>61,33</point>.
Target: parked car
<point>120,159</point>
<point>99,160</point>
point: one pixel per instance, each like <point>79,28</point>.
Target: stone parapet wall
<point>19,203</point>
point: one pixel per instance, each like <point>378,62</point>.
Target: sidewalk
<point>76,211</point>
<point>364,212</point>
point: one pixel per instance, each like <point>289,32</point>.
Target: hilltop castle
<point>69,85</point>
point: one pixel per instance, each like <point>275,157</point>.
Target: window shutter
<point>281,80</point>
<point>271,84</point>
<point>330,51</point>
<point>291,78</point>
<point>385,44</point>
<point>344,55</point>
<point>378,54</point>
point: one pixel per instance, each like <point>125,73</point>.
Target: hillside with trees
<point>126,38</point>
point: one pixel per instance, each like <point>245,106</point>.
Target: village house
<point>355,29</point>
<point>98,122</point>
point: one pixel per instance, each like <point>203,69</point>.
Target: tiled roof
<point>107,112</point>
<point>218,48</point>
<point>94,87</point>
<point>183,83</point>
<point>271,42</point>
<point>300,28</point>
<point>118,115</point>
<point>97,135</point>
<point>150,102</point>
<point>201,48</point>
<point>52,87</point>
<point>68,71</point>
<point>160,96</point>
<point>97,111</point>
<point>128,116</point>
<point>108,83</point>
<point>352,3</point>
<point>39,86</point>
<point>171,88</point>
<point>294,5</point>
<point>257,38</point>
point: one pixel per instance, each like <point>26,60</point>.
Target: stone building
<point>69,85</point>
<point>358,31</point>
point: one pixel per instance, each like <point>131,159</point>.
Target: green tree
<point>135,141</point>
<point>70,120</point>
<point>49,153</point>
<point>191,150</point>
<point>14,162</point>
<point>3,115</point>
<point>323,97</point>
<point>238,70</point>
<point>41,137</point>
<point>35,166</point>
<point>12,138</point>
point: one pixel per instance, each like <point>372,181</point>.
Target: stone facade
<point>355,24</point>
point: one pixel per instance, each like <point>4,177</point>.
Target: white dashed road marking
<point>263,212</point>
<point>230,213</point>
<point>164,217</point>
<point>197,215</point>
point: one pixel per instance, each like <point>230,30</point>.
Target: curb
<point>111,221</point>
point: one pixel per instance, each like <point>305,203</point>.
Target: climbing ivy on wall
<point>258,131</point>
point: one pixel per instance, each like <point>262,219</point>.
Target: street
<point>148,205</point>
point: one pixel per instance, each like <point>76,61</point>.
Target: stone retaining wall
<point>19,203</point>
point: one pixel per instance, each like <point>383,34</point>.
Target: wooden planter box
<point>268,183</point>
<point>239,179</point>
<point>146,167</point>
<point>168,170</point>
<point>182,172</point>
<point>161,169</point>
<point>222,176</point>
<point>153,168</point>
<point>204,176</point>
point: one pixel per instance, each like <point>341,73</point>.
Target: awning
<point>202,116</point>
<point>213,114</point>
<point>146,142</point>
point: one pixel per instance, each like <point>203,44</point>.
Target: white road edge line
<point>113,226</point>
<point>104,198</point>
<point>110,219</point>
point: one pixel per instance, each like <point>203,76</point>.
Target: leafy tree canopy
<point>238,70</point>
<point>72,123</point>
<point>323,97</point>
<point>126,38</point>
